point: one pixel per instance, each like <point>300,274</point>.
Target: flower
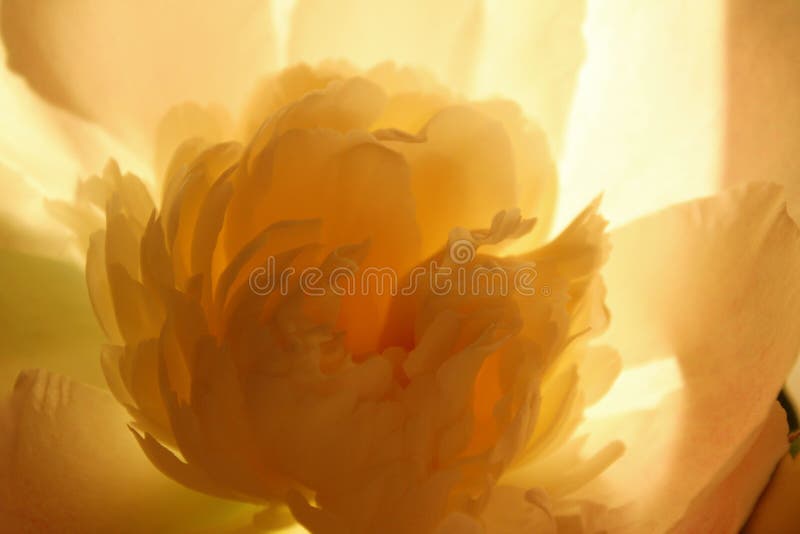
<point>489,392</point>
<point>418,402</point>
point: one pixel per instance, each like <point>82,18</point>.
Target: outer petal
<point>647,122</point>
<point>124,64</point>
<point>533,54</point>
<point>777,509</point>
<point>442,36</point>
<point>44,150</point>
<point>709,285</point>
<point>763,94</point>
<point>712,287</point>
<point>46,319</point>
<point>69,464</point>
<point>763,101</point>
<point>727,507</point>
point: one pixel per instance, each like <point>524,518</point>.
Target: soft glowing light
<point>639,388</point>
<point>646,121</point>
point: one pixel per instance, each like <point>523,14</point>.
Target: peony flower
<point>621,388</point>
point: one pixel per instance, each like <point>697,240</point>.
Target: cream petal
<point>124,65</point>
<point>461,175</point>
<point>70,464</point>
<point>47,319</point>
<point>647,119</point>
<point>533,54</point>
<point>444,37</point>
<point>711,286</point>
<point>184,122</point>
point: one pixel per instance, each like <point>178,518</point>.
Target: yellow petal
<point>461,175</point>
<point>443,37</point>
<point>533,54</point>
<point>124,65</point>
<point>46,319</point>
<point>711,286</point>
<point>647,119</point>
<point>69,464</point>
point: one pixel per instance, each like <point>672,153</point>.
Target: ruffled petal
<point>124,65</point>
<point>444,36</point>
<point>68,463</point>
<point>708,288</point>
<point>47,319</point>
<point>647,121</point>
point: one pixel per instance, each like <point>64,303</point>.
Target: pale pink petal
<point>710,286</point>
<point>763,101</point>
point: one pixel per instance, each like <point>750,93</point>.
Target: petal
<point>47,148</point>
<point>647,120</point>
<point>443,36</point>
<point>726,507</point>
<point>533,54</point>
<point>763,102</point>
<point>763,94</point>
<point>69,463</point>
<point>709,286</point>
<point>776,510</point>
<point>46,318</point>
<point>462,174</point>
<point>124,65</point>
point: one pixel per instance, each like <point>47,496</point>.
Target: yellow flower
<point>418,399</point>
<point>429,410</point>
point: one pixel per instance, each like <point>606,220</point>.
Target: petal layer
<point>710,287</point>
<point>727,507</point>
